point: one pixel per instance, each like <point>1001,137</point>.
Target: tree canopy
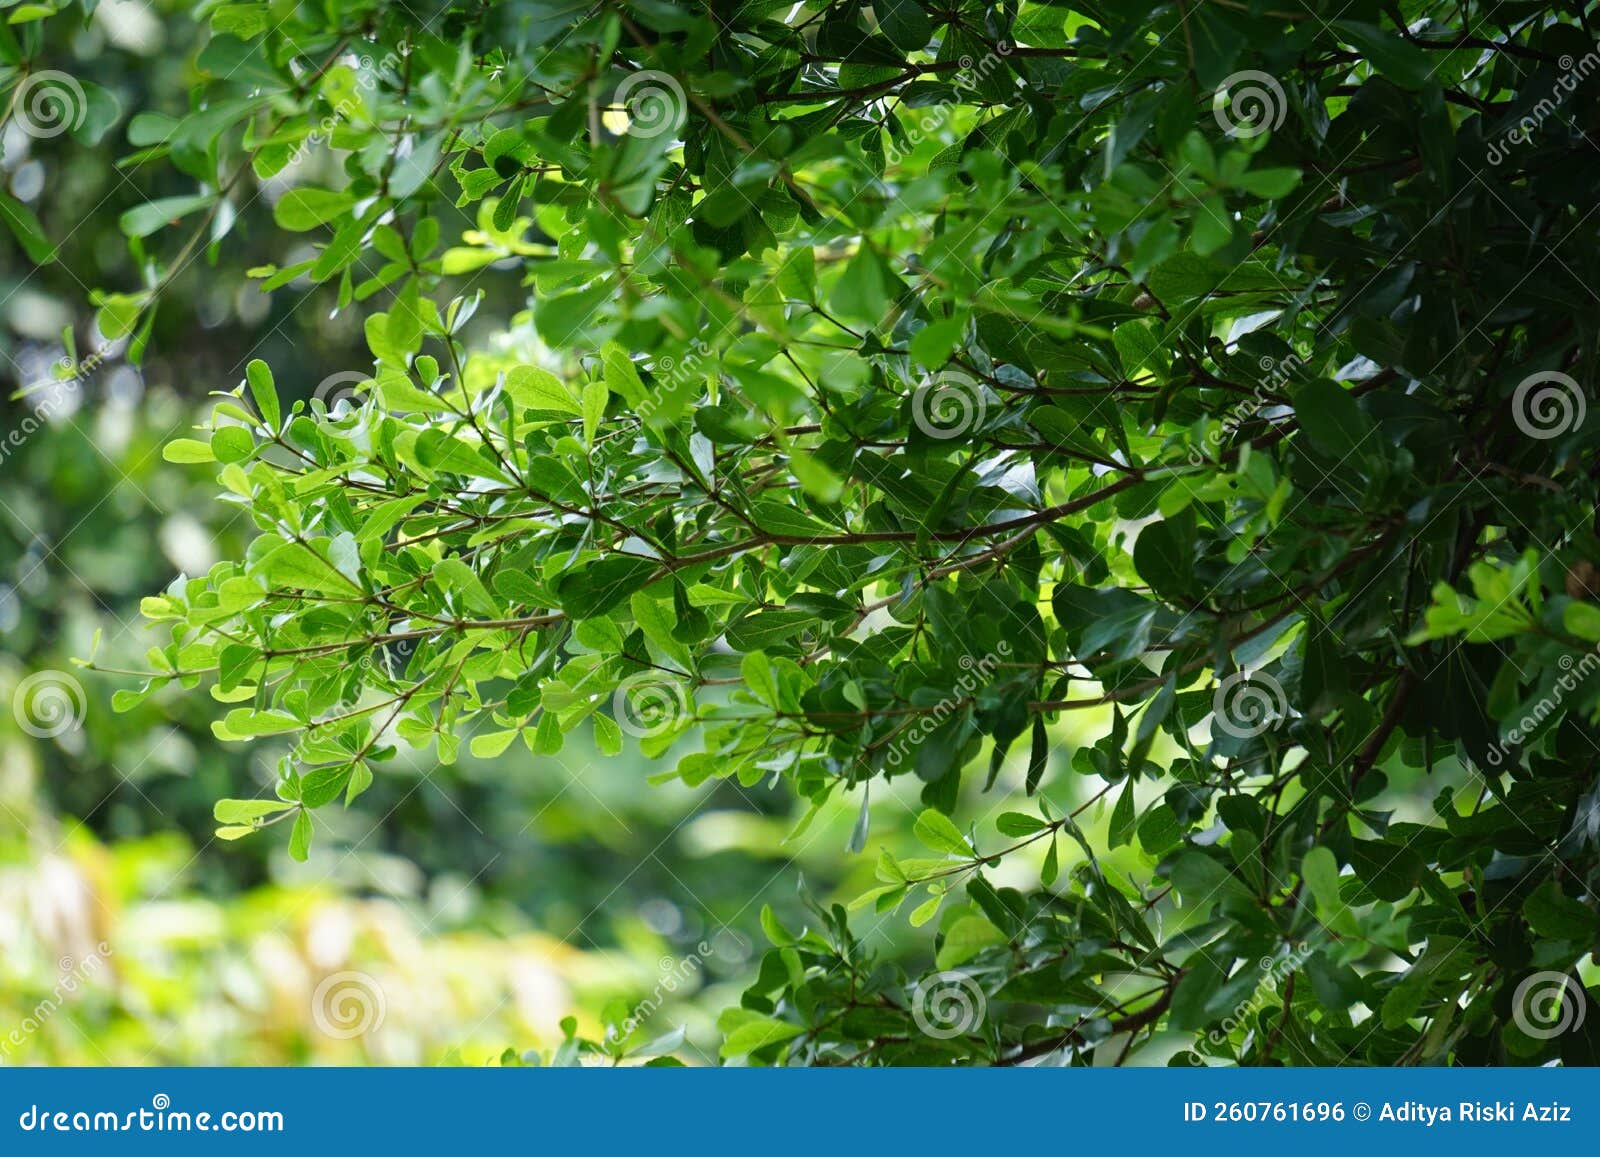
<point>894,380</point>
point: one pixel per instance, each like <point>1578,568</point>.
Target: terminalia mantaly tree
<point>899,380</point>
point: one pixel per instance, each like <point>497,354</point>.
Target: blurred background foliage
<point>488,900</point>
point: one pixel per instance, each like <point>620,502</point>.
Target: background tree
<point>897,380</point>
<point>488,900</point>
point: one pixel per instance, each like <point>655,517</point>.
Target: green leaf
<point>298,567</point>
<point>118,314</point>
<point>1122,818</point>
<point>259,377</point>
<point>936,831</point>
<point>1582,620</point>
<point>966,938</point>
<point>597,588</point>
<point>187,451</point>
<point>245,723</point>
<point>1164,556</point>
<point>301,210</point>
<point>300,837</point>
<point>145,219</point>
<point>595,396</point>
<point>1331,419</point>
<point>1389,872</point>
<point>536,389</point>
<point>1321,874</point>
<point>241,20</point>
<point>25,227</point>
<point>232,443</point>
<point>323,785</point>
<point>454,575</point>
<point>758,1033</point>
<point>247,811</point>
<point>1399,60</point>
<point>1552,913</point>
<point>1019,824</point>
<point>866,288</point>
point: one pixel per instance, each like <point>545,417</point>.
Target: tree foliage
<point>896,379</point>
